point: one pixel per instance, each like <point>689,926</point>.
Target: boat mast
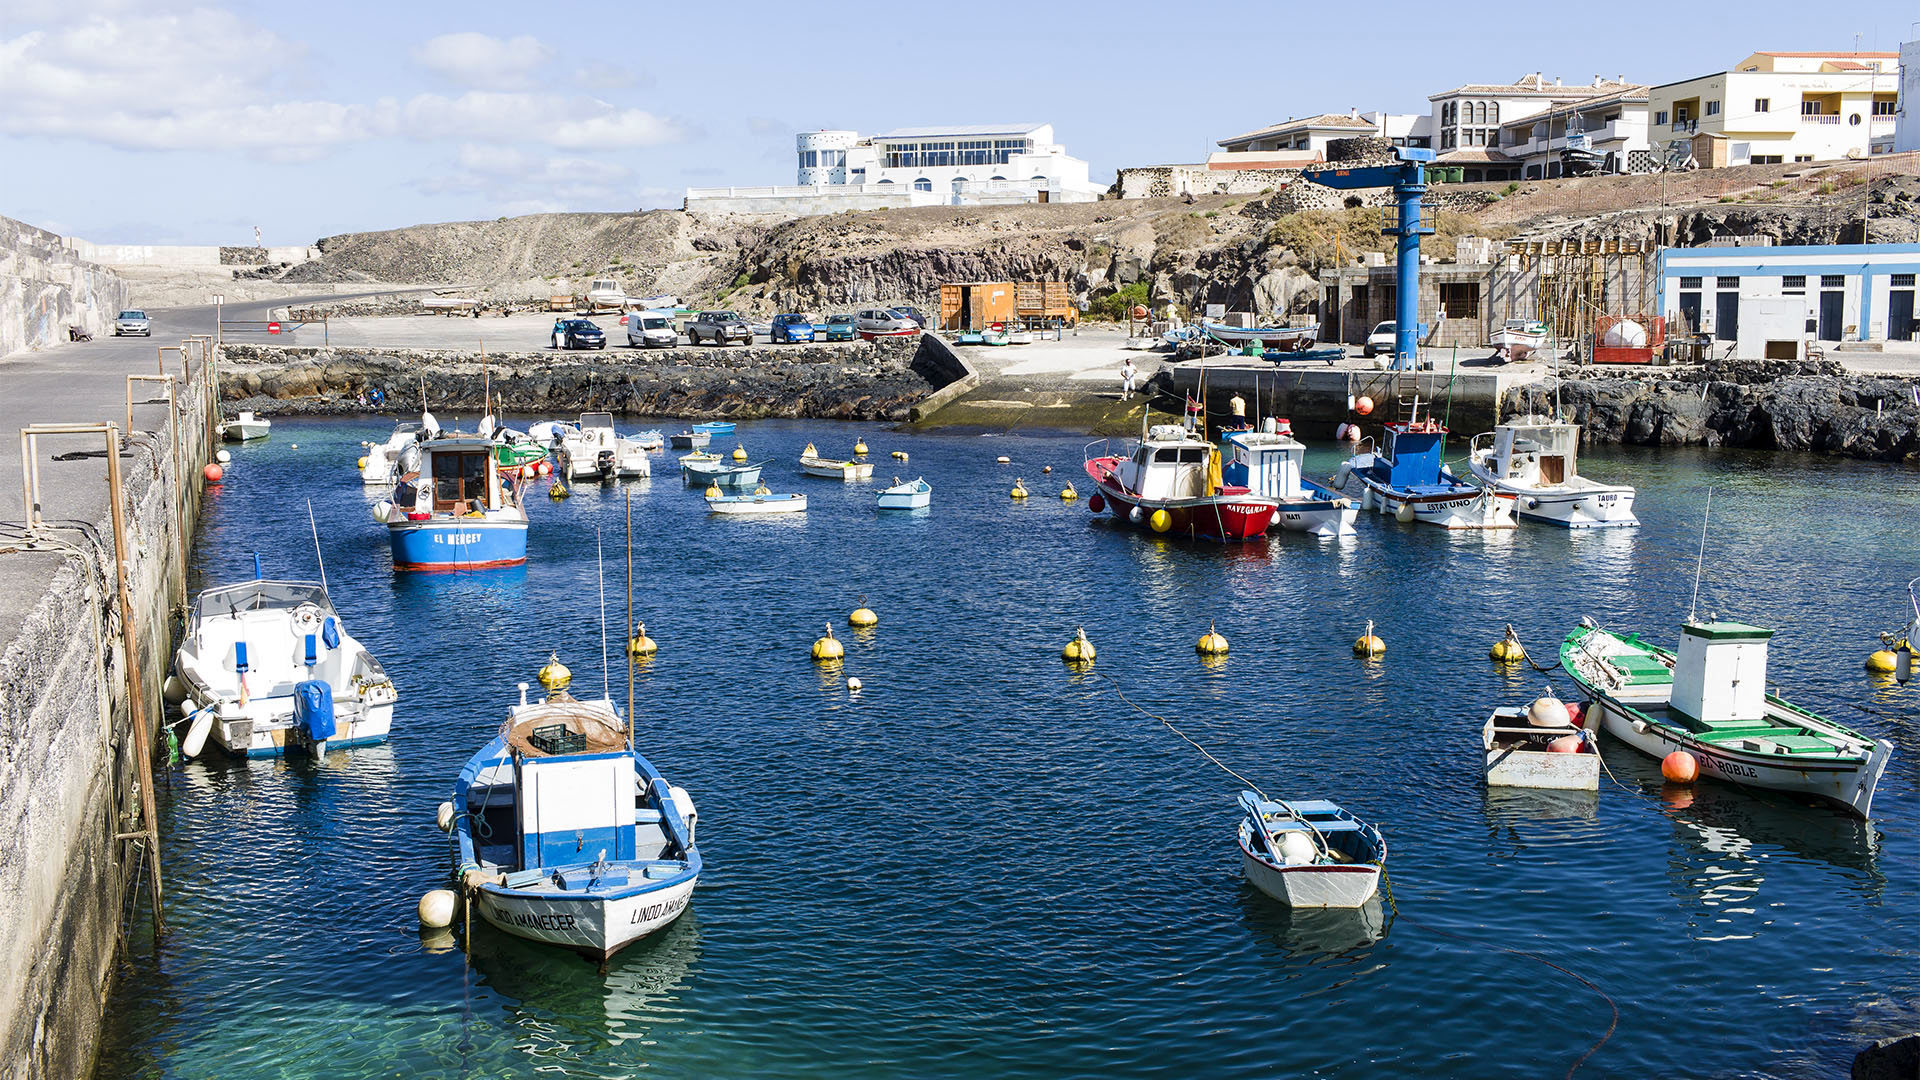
<point>629,493</point>
<point>1700,559</point>
<point>600,564</point>
<point>316,546</point>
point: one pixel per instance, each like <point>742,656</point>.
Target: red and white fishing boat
<point>1171,483</point>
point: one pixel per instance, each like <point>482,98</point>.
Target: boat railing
<point>1103,444</point>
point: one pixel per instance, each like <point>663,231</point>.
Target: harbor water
<point>984,863</point>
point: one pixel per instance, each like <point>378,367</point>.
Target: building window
<point>1792,282</point>
<point>1689,282</point>
<point>1764,159</point>
<point>886,181</point>
<point>923,184</point>
<point>1886,108</point>
<point>1727,282</point>
<point>1903,281</point>
<point>1798,158</point>
<point>1493,113</point>
<point>1713,108</point>
<point>1761,104</point>
<point>1460,300</point>
<point>1833,281</point>
<point>1660,117</point>
<point>1809,108</point>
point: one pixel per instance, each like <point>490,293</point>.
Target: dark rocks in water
<point>861,381</point>
<point>1778,407</point>
<point>1894,1058</point>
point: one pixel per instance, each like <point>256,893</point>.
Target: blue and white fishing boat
<point>715,428</point>
<point>266,667</point>
<point>757,503</point>
<point>456,510</point>
<point>1269,462</point>
<point>913,495</point>
<point>1409,479</point>
<point>708,469</point>
<point>565,834</point>
<point>1309,853</point>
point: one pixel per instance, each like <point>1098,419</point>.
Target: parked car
<point>577,334</point>
<point>132,322</point>
<point>651,330</point>
<point>1380,341</point>
<point>838,328</point>
<point>718,328</point>
<point>882,321</point>
<point>790,329</point>
<point>760,329</point>
<point>919,317</point>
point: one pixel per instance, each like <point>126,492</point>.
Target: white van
<point>651,330</point>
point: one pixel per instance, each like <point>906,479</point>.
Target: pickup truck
<point>718,328</point>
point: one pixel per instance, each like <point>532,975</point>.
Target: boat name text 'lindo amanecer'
<point>544,922</point>
<point>657,911</point>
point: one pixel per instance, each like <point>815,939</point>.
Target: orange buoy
<point>213,473</point>
<point>1680,767</point>
<point>1364,406</point>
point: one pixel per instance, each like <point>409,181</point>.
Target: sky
<point>155,121</point>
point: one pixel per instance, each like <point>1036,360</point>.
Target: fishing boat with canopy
<point>456,509</point>
<point>1170,482</point>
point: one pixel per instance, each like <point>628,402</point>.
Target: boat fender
<point>381,510</point>
<point>1346,470</point>
<point>1297,849</point>
<point>1640,727</point>
<point>444,817</point>
<point>688,812</point>
<point>1404,513</point>
<point>1533,503</point>
<point>174,690</point>
<point>1135,515</point>
<point>1096,503</point>
<point>313,709</point>
<point>199,726</point>
<point>437,908</point>
<point>330,633</point>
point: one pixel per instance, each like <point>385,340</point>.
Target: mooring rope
<point>1184,737</point>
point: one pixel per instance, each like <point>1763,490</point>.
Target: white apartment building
<point>1777,107</point>
<point>1615,125</point>
<point>1313,133</point>
<point>957,161</point>
<point>1906,125</point>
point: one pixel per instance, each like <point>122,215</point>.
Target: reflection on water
<point>1314,934</point>
<point>571,1005</point>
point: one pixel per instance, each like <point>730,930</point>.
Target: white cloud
<point>515,179</point>
<point>483,61</point>
<point>569,123</point>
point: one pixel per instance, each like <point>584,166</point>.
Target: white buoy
<point>437,908</point>
<point>854,684</point>
<point>223,456</point>
<point>1296,849</point>
<point>1549,711</point>
<point>197,732</point>
<point>444,817</point>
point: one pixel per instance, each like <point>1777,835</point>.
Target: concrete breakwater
<point>71,804</point>
<point>1772,406</point>
<point>857,381</point>
<point>1318,399</point>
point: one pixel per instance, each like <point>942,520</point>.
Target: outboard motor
<point>604,461</point>
<point>313,713</point>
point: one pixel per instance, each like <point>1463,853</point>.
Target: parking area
<point>520,332</point>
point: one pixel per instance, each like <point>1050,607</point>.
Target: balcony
<point>1688,126</point>
<point>1819,118</point>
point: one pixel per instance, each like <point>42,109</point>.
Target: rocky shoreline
<point>878,381</point>
<point>1760,405</point>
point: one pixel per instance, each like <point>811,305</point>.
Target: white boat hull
<point>1342,885</point>
<point>757,505</point>
<point>914,501</point>
<point>1580,505</point>
<point>1316,517</point>
<point>596,926</point>
<point>264,727</point>
<point>1473,508</point>
<point>838,470</point>
<point>245,431</point>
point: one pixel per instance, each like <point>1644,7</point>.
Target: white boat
<point>605,294</point>
<point>1289,338</point>
<point>1518,339</point>
<point>266,666</point>
<point>1409,479</point>
<point>567,835</point>
<point>813,464</point>
<point>1270,462</point>
<point>648,440</point>
<point>1539,747</point>
<point>245,427</point>
<point>912,495</point>
<point>760,502</point>
<point>593,450</point>
<point>1710,700</point>
<point>380,466</point>
<point>1309,853</point>
<point>1533,461</point>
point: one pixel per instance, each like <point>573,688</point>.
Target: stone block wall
<point>45,288</point>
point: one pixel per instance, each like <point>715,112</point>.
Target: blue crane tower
<point>1408,179</point>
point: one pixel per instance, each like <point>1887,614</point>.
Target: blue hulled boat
<point>1409,479</point>
<point>455,510</point>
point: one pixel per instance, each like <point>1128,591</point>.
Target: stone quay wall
<point>45,287</point>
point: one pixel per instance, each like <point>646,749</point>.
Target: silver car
<point>883,320</point>
<point>128,323</point>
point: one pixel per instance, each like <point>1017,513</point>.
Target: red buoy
<point>1096,503</point>
<point>1680,767</point>
<point>1364,406</point>
<point>1577,713</point>
<point>213,473</point>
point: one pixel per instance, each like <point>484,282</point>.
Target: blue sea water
<point>984,863</point>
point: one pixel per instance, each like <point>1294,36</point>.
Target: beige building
<point>1777,107</point>
<point>1467,120</point>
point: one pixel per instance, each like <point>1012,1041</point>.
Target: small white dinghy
<point>1309,853</point>
<point>813,464</point>
<point>245,427</point>
<point>1540,746</point>
<point>760,502</point>
<point>266,665</point>
<point>914,495</point>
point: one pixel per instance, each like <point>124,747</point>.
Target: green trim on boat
<point>1726,631</point>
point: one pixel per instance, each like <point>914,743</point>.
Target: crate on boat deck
<point>558,739</point>
<point>1519,754</point>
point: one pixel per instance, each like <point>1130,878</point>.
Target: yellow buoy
<point>1004,460</point>
<point>1508,649</point>
<point>712,492</point>
<point>827,648</point>
<point>1079,650</point>
<point>1046,469</point>
<point>1881,662</point>
<point>558,491</point>
<point>1068,493</point>
<point>763,490</point>
<point>1019,489</point>
<point>739,453</point>
<point>640,644</point>
<point>1211,643</point>
<point>555,675</point>
<point>900,455</point>
<point>859,447</point>
<point>1368,644</point>
<point>809,451</point>
<point>1161,521</point>
<point>862,615</point>
<point>361,464</point>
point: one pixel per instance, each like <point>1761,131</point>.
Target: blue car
<point>790,329</point>
<point>578,334</point>
<point>839,328</point>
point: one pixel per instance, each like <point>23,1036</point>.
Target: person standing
<point>1127,375</point>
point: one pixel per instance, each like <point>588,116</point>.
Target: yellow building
<point>1777,107</point>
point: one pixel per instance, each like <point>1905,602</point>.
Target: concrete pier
<point>69,770</point>
<point>1317,397</point>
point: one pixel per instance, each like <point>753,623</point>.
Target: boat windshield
<point>596,420</point>
<point>259,596</point>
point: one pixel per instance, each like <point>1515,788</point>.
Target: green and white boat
<point>1710,699</point>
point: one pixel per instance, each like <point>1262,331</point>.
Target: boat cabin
<point>1266,462</point>
<point>593,421</point>
<point>456,475</point>
<point>1413,455</point>
<point>1535,454</point>
<point>1720,673</point>
<point>1170,463</point>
